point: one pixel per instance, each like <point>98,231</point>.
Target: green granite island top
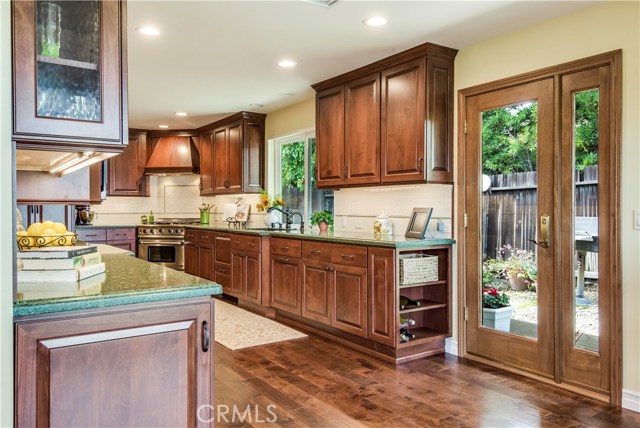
<point>127,280</point>
<point>357,238</point>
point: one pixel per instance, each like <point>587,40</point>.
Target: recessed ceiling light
<point>181,113</point>
<point>256,105</point>
<point>287,63</point>
<point>286,94</point>
<point>163,126</point>
<point>149,31</point>
<point>375,21</point>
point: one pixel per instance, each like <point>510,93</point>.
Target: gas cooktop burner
<point>175,221</point>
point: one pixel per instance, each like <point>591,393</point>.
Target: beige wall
<point>602,28</point>
<point>298,117</point>
<point>6,219</point>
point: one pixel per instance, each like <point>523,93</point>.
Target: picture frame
<point>418,222</point>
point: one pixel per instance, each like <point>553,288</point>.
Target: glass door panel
<point>68,83</point>
<point>509,219</point>
<point>585,221</point>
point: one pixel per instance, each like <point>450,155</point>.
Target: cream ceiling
<point>214,58</point>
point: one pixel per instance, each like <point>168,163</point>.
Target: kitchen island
<point>346,286</point>
<point>132,348</point>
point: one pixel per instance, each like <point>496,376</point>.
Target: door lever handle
<point>544,232</point>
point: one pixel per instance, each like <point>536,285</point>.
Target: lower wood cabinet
<point>381,321</point>
<point>246,274</point>
<point>198,260</point>
<point>349,311</point>
<point>143,365</point>
<point>285,283</point>
<point>124,238</point>
<point>317,290</point>
<point>222,275</point>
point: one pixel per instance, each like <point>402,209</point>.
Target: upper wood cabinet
<point>232,155</point>
<point>126,171</point>
<point>69,71</point>
<point>388,122</point>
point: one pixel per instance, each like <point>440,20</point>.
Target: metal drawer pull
<point>315,252</point>
<point>284,248</point>
<point>206,338</point>
<point>347,256</point>
<point>283,259</point>
<point>330,269</point>
<point>252,244</point>
<point>236,242</point>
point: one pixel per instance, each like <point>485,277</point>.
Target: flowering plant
<point>519,263</point>
<point>265,202</point>
<point>494,299</point>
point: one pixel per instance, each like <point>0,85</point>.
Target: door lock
<point>544,232</point>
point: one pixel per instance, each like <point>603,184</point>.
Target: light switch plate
<point>636,219</point>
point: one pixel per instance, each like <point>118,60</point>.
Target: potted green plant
<point>496,310</point>
<point>323,219</point>
<point>519,266</point>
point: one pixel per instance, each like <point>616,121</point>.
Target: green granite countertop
<point>357,238</point>
<point>127,280</point>
<point>108,226</point>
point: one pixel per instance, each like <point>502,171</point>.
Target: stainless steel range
<point>162,241</point>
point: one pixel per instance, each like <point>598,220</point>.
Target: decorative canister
<point>382,225</point>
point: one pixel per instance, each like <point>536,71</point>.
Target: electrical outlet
<point>636,219</point>
<point>440,226</point>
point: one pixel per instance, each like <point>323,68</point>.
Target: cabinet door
<point>330,137</point>
<point>439,120</point>
<point>317,296</point>
<point>220,160</point>
<point>125,245</point>
<point>253,275</point>
<point>223,248</point>
<point>236,158</point>
<point>402,125</point>
<point>285,284</point>
<point>254,145</point>
<point>382,322</point>
<point>349,312</point>
<point>125,367</point>
<point>205,262</point>
<point>222,276</point>
<point>68,84</point>
<point>238,277</point>
<point>126,171</point>
<point>191,259</point>
<point>362,130</point>
<point>206,164</point>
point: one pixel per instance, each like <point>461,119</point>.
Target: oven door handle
<point>141,242</point>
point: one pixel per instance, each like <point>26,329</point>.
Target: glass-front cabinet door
<point>69,85</point>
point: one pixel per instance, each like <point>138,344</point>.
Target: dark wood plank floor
<point>315,383</point>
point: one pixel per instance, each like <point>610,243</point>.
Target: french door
<point>540,199</point>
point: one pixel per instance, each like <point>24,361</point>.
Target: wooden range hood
<point>174,155</point>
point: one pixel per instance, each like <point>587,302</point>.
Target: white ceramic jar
<point>382,226</point>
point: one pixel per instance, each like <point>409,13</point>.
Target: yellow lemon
<point>35,229</point>
<point>22,233</point>
<point>48,224</point>
<point>48,231</point>
<point>60,228</point>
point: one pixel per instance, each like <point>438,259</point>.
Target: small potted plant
<point>323,219</point>
<point>519,266</point>
<point>496,311</point>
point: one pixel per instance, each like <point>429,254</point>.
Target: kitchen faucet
<point>288,217</point>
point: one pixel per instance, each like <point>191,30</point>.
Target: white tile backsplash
<point>355,209</point>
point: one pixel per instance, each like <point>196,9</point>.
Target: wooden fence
<point>510,210</point>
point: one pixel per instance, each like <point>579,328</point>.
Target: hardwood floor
<point>315,383</point>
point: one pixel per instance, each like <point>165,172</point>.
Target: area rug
<point>236,328</point>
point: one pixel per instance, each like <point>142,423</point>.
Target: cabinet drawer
<point>316,251</point>
<point>202,236</point>
<point>349,255</point>
<point>92,235</point>
<point>245,242</point>
<point>121,234</point>
<point>285,247</point>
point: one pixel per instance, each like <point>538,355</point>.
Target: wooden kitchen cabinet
<point>222,260</point>
<point>388,122</point>
<point>246,274</point>
<point>126,171</point>
<point>381,322</point>
<point>285,283</point>
<point>232,154</point>
<point>124,365</point>
<point>199,250</point>
<point>124,238</point>
<point>349,311</point>
<point>70,94</point>
<point>317,291</point>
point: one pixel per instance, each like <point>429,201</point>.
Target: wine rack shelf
<point>425,305</point>
<point>423,335</point>
<point>423,284</point>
